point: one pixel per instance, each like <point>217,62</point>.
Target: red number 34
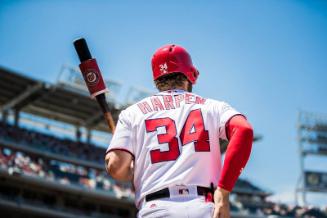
<point>193,131</point>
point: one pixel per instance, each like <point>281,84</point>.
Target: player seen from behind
<point>168,145</point>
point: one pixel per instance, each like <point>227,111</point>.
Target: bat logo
<point>92,78</point>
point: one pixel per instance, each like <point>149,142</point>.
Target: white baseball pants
<point>183,207</point>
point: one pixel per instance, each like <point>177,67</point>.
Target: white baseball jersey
<point>174,138</point>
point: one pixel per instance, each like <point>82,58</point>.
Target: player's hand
<point>221,198</point>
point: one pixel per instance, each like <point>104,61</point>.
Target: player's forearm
<point>122,175</point>
<point>117,168</point>
<point>238,152</point>
<point>221,200</point>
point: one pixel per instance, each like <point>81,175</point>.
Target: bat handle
<point>101,99</point>
<point>110,121</point>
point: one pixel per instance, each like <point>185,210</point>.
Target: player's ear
<point>189,86</point>
<point>156,86</point>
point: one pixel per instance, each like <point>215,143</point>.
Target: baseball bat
<point>93,79</point>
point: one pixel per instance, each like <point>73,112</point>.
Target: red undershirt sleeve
<point>240,135</point>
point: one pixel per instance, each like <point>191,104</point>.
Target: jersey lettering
<point>144,107</point>
<point>168,102</point>
<point>178,100</point>
<point>156,104</point>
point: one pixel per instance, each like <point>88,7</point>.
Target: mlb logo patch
<point>183,191</point>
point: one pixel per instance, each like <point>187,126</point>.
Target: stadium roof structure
<point>244,186</point>
<point>53,101</point>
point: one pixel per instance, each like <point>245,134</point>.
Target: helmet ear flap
<point>196,74</point>
<point>193,75</point>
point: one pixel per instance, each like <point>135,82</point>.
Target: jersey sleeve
<point>226,112</point>
<point>121,139</point>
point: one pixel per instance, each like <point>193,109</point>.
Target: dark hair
<point>171,81</point>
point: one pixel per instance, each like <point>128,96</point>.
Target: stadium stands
<point>72,168</point>
<point>52,144</point>
<point>16,162</point>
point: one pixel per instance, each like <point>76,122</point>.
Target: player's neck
<point>186,87</point>
<point>174,90</point>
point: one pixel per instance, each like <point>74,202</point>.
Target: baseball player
<point>168,145</point>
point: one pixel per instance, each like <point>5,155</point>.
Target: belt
<point>164,193</point>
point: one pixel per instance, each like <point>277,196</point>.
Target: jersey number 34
<point>193,131</point>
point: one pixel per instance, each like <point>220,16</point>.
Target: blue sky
<point>268,59</point>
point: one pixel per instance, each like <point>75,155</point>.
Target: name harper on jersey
<point>168,102</point>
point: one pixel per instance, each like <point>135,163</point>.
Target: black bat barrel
<point>82,49</point>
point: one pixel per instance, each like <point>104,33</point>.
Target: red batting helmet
<point>173,59</point>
